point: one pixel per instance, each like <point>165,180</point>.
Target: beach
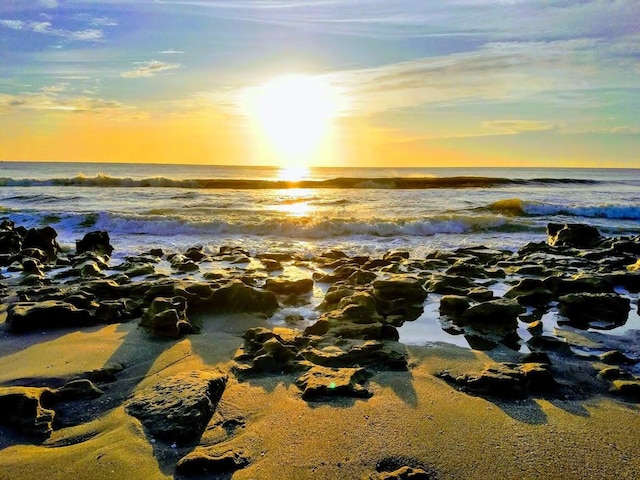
<point>223,363</point>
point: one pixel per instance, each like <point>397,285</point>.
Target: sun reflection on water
<point>294,173</point>
<point>296,202</point>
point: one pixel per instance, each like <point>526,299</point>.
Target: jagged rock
<point>282,286</point>
<point>320,382</point>
<point>10,239</point>
<point>506,380</point>
<point>590,310</point>
<point>386,355</point>
<point>46,315</point>
<point>576,235</point>
<point>43,239</point>
<point>178,408</point>
<point>532,292</point>
<point>212,460</point>
<point>449,284</point>
<point>236,297</point>
<point>496,317</point>
<point>334,294</point>
<point>97,241</point>
<point>167,317</point>
<point>21,408</point>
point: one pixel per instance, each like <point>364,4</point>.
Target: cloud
<point>149,69</point>
<point>519,126</point>
<point>46,28</point>
<point>55,98</point>
<point>171,52</point>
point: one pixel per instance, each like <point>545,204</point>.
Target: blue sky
<point>503,82</point>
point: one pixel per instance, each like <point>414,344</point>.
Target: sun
<point>293,114</point>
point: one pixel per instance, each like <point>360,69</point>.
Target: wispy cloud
<point>149,69</point>
<point>519,126</point>
<point>46,28</point>
<point>171,52</point>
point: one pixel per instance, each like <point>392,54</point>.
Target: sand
<point>412,415</point>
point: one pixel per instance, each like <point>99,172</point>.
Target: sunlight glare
<point>294,113</point>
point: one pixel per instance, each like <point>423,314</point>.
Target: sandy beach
<point>412,417</point>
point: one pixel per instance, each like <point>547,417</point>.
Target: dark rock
<point>530,291</point>
<point>76,390</point>
<point>281,286</point>
<point>97,241</point>
<point>212,461</point>
<point>167,317</point>
<point>46,315</point>
<point>453,305</point>
<point>400,288</point>
<point>576,235</point>
<point>616,357</point>
<point>590,310</point>
<point>178,408</point>
<point>43,239</point>
<point>21,408</point>
<point>449,284</point>
<point>236,297</point>
<point>629,389</point>
<point>535,328</point>
<point>496,316</point>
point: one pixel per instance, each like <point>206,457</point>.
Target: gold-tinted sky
<point>405,83</point>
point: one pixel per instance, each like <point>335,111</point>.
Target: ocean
<point>310,211</point>
<point>360,211</point>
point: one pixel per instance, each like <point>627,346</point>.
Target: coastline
<point>422,409</point>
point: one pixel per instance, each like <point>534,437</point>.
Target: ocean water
<point>361,211</point>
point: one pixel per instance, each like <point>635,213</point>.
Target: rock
<point>321,382</point>
<point>530,291</point>
<point>10,239</point>
<point>167,317</point>
<point>539,343</point>
<point>404,473</point>
<point>576,235</point>
<point>21,408</point>
<point>281,286</point>
<point>449,284</point>
<point>43,239</point>
<point>496,316</point>
<point>46,315</point>
<point>453,305</point>
<point>400,287</point>
<point>508,380</point>
<point>178,408</point>
<point>236,297</point>
<point>378,354</point>
<point>629,389</point>
<point>76,390</point>
<point>97,241</point>
<point>212,461</point>
<point>535,328</point>
<point>591,310</point>
<point>616,357</point>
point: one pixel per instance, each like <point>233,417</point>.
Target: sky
<point>415,83</point>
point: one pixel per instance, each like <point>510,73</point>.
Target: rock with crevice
<point>178,408</point>
<point>319,382</point>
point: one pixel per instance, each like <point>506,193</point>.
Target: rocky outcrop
<point>46,315</point>
<point>97,242</point>
<point>588,310</point>
<point>178,408</point>
<point>576,235</point>
<point>167,317</point>
<point>236,297</point>
<point>321,382</point>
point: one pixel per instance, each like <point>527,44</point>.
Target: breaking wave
<point>518,207</point>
